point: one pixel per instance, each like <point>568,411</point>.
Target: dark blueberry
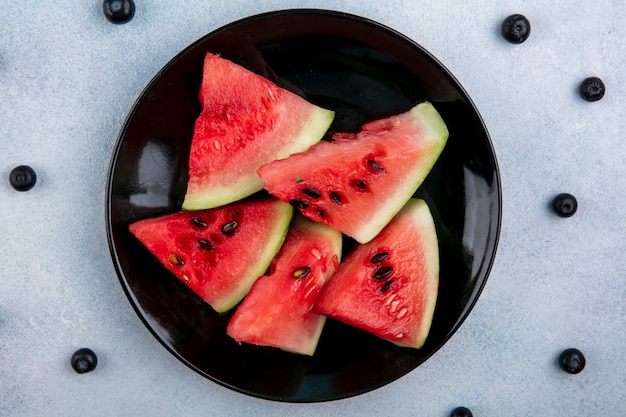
<point>22,178</point>
<point>461,412</point>
<point>565,205</point>
<point>572,361</point>
<point>118,11</point>
<point>515,28</point>
<point>592,89</point>
<point>84,360</point>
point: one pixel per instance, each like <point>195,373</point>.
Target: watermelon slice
<point>389,286</point>
<point>246,121</point>
<point>220,252</point>
<point>358,182</point>
<point>278,310</point>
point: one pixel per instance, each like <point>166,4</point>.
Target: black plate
<point>363,71</point>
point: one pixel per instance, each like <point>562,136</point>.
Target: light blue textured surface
<point>67,80</point>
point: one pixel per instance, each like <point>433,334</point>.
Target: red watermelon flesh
<point>358,182</point>
<point>278,310</point>
<point>246,121</point>
<point>389,286</point>
<point>218,253</point>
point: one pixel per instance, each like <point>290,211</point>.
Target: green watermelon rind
<point>436,135</point>
<point>272,246</point>
<point>312,132</point>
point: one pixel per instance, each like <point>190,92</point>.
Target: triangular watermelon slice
<point>358,182</point>
<point>278,310</point>
<point>220,252</point>
<point>246,121</point>
<point>389,286</point>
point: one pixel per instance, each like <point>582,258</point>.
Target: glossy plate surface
<point>363,71</point>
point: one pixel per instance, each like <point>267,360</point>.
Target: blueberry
<point>565,205</point>
<point>118,11</point>
<point>22,178</point>
<point>515,28</point>
<point>461,412</point>
<point>592,89</point>
<point>84,360</point>
<point>572,361</point>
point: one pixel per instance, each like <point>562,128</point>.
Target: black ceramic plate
<point>363,71</point>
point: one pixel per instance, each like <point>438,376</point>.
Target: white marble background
<point>67,79</point>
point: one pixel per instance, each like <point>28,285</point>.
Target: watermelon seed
<point>387,285</point>
<point>299,204</point>
<point>375,166</point>
<point>382,272</point>
<point>316,253</point>
<point>175,259</point>
<point>197,221</point>
<point>335,197</point>
<point>301,272</point>
<point>358,184</point>
<point>402,313</point>
<point>311,192</point>
<point>229,228</point>
<point>205,244</point>
<point>322,213</point>
<point>379,257</point>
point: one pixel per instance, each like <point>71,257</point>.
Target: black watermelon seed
<point>197,221</point>
<point>515,28</point>
<point>592,89</point>
<point>565,205</point>
<point>175,259</point>
<point>84,360</point>
<point>375,166</point>
<point>358,184</point>
<point>321,213</point>
<point>379,257</point>
<point>311,192</point>
<point>22,178</point>
<point>461,412</point>
<point>301,272</point>
<point>335,197</point>
<point>205,244</point>
<point>118,11</point>
<point>229,228</point>
<point>299,204</point>
<point>387,285</point>
<point>572,361</point>
<point>382,272</point>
